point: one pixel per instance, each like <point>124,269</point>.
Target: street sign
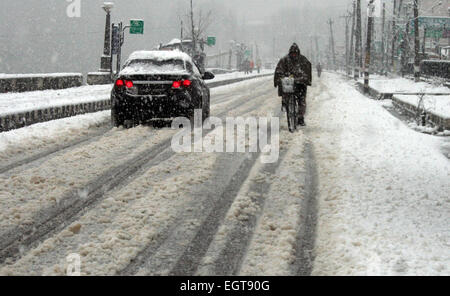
<point>211,41</point>
<point>433,22</point>
<point>136,27</point>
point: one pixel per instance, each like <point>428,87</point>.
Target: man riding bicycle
<point>297,66</point>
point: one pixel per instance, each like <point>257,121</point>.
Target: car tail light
<point>120,83</point>
<point>187,83</point>
<point>176,84</point>
<point>129,83</point>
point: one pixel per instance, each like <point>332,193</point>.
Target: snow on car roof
<point>177,41</point>
<point>160,55</point>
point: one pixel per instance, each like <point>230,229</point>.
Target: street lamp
<point>105,64</point>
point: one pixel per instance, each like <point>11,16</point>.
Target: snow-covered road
<point>355,192</point>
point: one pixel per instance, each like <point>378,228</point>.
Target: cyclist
<point>298,66</point>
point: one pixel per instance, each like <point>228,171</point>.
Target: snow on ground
<point>272,250</point>
<point>439,105</point>
<point>24,192</point>
<point>272,247</point>
<point>384,202</point>
<point>37,137</point>
<point>115,231</point>
<point>383,193</point>
<point>111,234</point>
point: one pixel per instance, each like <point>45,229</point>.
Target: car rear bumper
<point>149,107</point>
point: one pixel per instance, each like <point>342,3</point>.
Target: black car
<point>159,85</point>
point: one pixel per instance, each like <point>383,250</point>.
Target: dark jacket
<point>299,67</point>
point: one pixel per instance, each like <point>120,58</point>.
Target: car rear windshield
<point>154,66</point>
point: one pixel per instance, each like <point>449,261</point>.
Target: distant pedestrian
<point>247,66</point>
<point>258,65</point>
<point>319,69</point>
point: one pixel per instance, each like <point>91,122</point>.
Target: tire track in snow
<point>43,155</point>
<point>304,262</point>
<point>51,220</point>
<point>231,256</point>
<point>163,254</point>
<point>176,244</point>
<point>307,235</point>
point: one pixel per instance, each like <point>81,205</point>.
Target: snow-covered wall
<point>32,82</point>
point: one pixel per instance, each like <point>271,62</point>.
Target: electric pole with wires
<point>333,53</point>
<point>371,9</point>
<point>358,40</point>
<point>416,42</point>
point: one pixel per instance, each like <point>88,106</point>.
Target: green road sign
<point>247,53</point>
<point>432,22</point>
<point>211,41</point>
<point>437,22</point>
<point>136,27</point>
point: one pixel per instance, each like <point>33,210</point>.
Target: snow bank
<point>439,105</point>
<point>11,103</point>
<point>35,138</point>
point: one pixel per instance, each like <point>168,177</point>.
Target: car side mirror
<point>208,76</point>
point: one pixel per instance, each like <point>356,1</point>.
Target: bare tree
<point>197,27</point>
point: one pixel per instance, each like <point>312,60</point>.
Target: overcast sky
<point>37,36</point>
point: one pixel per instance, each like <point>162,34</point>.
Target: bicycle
<point>292,106</point>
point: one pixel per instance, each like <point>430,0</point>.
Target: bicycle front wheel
<point>292,110</point>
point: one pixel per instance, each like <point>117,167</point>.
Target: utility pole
<point>424,40</point>
<point>369,40</point>
<point>194,41</point>
<point>317,48</point>
<point>358,40</point>
<point>330,22</point>
<point>416,42</point>
<point>274,46</point>
<point>347,69</point>
<point>181,35</point>
<point>394,35</point>
<point>383,38</point>
<point>347,55</point>
<point>352,58</point>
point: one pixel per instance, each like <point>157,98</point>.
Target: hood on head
<point>294,49</point>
